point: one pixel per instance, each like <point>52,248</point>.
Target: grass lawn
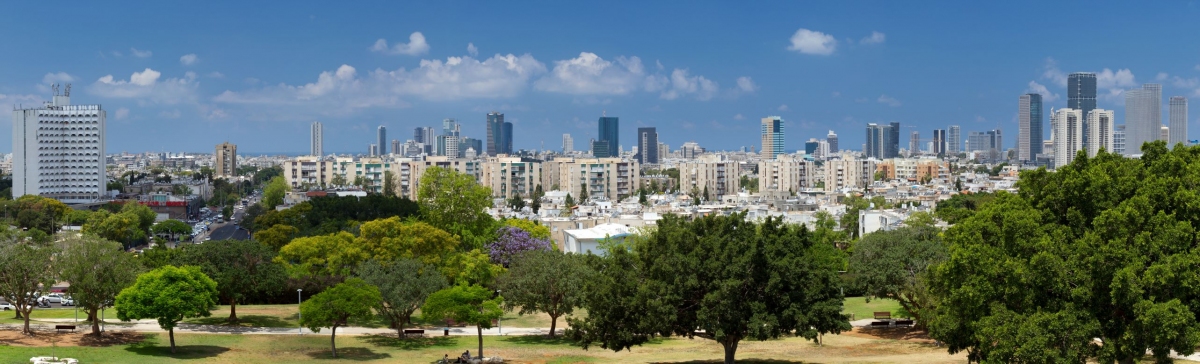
<point>315,348</point>
<point>861,309</point>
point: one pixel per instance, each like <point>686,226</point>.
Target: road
<point>226,230</point>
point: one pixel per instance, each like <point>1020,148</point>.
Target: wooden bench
<point>880,323</point>
<point>883,315</point>
<point>414,331</point>
<point>904,322</point>
<point>64,327</point>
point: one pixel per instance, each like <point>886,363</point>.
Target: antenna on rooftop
<point>54,87</point>
<point>68,92</point>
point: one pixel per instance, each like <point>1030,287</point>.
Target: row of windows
<point>63,135</point>
<point>67,161</point>
<point>69,128</point>
<point>47,121</point>
<point>67,154</point>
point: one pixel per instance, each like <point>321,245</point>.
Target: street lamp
<point>299,315</point>
<point>500,321</point>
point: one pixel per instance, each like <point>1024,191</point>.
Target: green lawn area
<point>861,309</point>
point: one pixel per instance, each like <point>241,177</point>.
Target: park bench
<point>904,322</point>
<point>64,327</point>
<point>883,315</point>
<point>414,331</point>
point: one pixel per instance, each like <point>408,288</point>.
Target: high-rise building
<point>810,147</point>
<point>600,149</point>
<point>568,144</point>
<point>1068,135</point>
<point>427,136</point>
<point>316,140</point>
<point>939,142</point>
<point>914,143</point>
<point>953,140</point>
<point>1029,124</point>
<point>882,141</point>
<point>495,133</point>
<point>690,150</point>
<point>1100,131</point>
<point>772,137</point>
<point>373,150</point>
<point>1119,139</point>
<point>465,144</point>
<point>984,141</point>
<point>647,146</point>
<point>396,149</point>
<point>41,163</point>
<point>382,140</point>
<point>1143,116</point>
<point>1081,94</point>
<point>832,140</point>
<point>610,132</point>
<point>893,149</point>
<point>507,133</point>
<point>225,160</point>
<point>1164,133</point>
<point>1178,116</point>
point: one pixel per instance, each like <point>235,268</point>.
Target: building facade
<point>1177,114</point>
<point>939,142</point>
<point>316,140</point>
<point>605,178</point>
<point>58,151</point>
<point>568,145</point>
<point>1100,131</point>
<point>511,176</point>
<point>381,140</point>
<point>647,146</point>
<point>832,140</point>
<point>848,172</point>
<point>1068,135</point>
<point>610,133</point>
<point>786,174</point>
<point>717,177</point>
<point>1143,116</point>
<point>225,160</point>
<point>772,137</point>
<point>954,140</point>
<point>1029,126</point>
<point>309,171</point>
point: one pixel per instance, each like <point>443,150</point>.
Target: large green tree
<point>98,270</point>
<point>547,281</point>
<point>454,202</point>
<point>124,227</point>
<point>274,191</point>
<point>403,285</point>
<point>718,277</point>
<point>241,268</point>
<point>1103,248</point>
<point>37,212</point>
<point>335,307</point>
<point>171,227</point>
<point>324,255</point>
<point>467,304</point>
<point>26,265</point>
<point>894,264</point>
<point>168,294</point>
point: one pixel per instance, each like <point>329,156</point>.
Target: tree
<point>274,191</point>
<point>1091,262</point>
<point>181,190</point>
<point>26,265</point>
<point>171,227</point>
<point>547,281</point>
<point>894,264</point>
<point>122,227</point>
<point>535,229</point>
<point>403,286</point>
<point>512,242</point>
<point>472,268</point>
<point>338,180</point>
<point>535,205</point>
<point>569,201</point>
<point>277,236</point>
<point>642,198</point>
<point>391,239</point>
<point>920,219</point>
<point>454,202</point>
<point>468,304</point>
<point>583,193</point>
<point>98,270</point>
<point>168,294</point>
<point>389,184</point>
<point>516,202</point>
<point>145,216</point>
<point>718,277</point>
<point>323,255</point>
<point>241,268</point>
<point>336,306</point>
<point>36,212</point>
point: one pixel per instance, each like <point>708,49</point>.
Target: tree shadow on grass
<point>350,353</point>
<point>539,340</point>
<point>744,361</point>
<point>181,351</point>
<point>409,343</point>
<point>243,321</point>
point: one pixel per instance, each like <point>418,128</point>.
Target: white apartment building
<point>786,174</point>
<point>568,144</point>
<point>310,171</point>
<point>1068,135</point>
<point>507,176</point>
<point>58,151</point>
<point>317,140</point>
<point>1100,132</point>
<point>409,172</point>
<point>606,178</point>
<point>719,177</point>
<point>849,172</point>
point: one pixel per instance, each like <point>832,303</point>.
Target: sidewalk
<point>152,326</point>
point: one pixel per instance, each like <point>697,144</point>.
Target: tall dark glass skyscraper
<point>499,134</point>
<point>1029,125</point>
<point>647,146</point>
<point>893,142</point>
<point>610,133</point>
<point>383,149</point>
<point>1081,95</point>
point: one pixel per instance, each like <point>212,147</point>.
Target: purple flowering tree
<point>513,241</point>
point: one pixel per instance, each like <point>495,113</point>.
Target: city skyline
<point>868,68</point>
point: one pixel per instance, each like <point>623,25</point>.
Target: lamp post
<point>299,315</point>
<point>500,321</point>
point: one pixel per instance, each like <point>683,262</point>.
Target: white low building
<point>581,241</point>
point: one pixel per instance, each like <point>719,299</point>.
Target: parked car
<point>68,301</point>
<point>5,306</point>
<point>53,298</point>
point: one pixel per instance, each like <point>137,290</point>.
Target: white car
<point>5,306</point>
<point>68,301</point>
<point>53,298</point>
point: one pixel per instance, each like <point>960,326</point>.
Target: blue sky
<point>186,76</point>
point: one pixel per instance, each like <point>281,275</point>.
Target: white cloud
<point>683,84</point>
<point>172,114</point>
<point>1051,72</point>
<point>1162,76</point>
<point>1037,88</point>
<point>215,74</point>
<point>1108,79</point>
<point>1185,82</point>
<point>145,86</point>
<point>874,38</point>
<point>783,107</point>
<point>888,100</point>
<point>813,42</point>
<point>140,53</point>
<point>739,117</point>
<point>745,84</point>
<point>589,74</point>
<point>189,59</point>
<point>10,101</point>
<point>60,77</point>
<point>471,50</point>
<point>836,94</point>
<point>416,46</point>
<point>1198,67</point>
<point>122,113</point>
<point>980,119</point>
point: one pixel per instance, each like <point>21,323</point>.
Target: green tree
<point>277,236</point>
<point>731,278</point>
<point>336,306</point>
<point>403,286</point>
<point>894,264</point>
<point>145,216</point>
<point>569,201</point>
<point>547,281</point>
<point>122,227</point>
<point>171,227</point>
<point>181,190</point>
<point>273,193</point>
<point>516,202</point>
<point>454,202</point>
<point>468,304</point>
<point>241,268</point>
<point>323,255</point>
<point>168,294</point>
<point>338,180</point>
<point>389,184</point>
<point>26,264</point>
<point>920,219</point>
<point>98,270</point>
<point>535,229</point>
<point>36,212</point>
<point>583,193</point>
<point>642,198</point>
<point>391,239</point>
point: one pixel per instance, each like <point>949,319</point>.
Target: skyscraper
<point>939,142</point>
<point>914,143</point>
<point>647,146</point>
<point>609,131</point>
<point>1029,124</point>
<point>893,140</point>
<point>396,149</point>
<point>1068,135</point>
<point>568,144</point>
<point>224,160</point>
<point>1081,94</point>
<point>984,141</point>
<point>1143,116</point>
<point>1178,116</point>
<point>953,140</point>
<point>877,140</point>
<point>507,133</point>
<point>772,137</point>
<point>427,136</point>
<point>1119,139</point>
<point>382,143</point>
<point>832,140</point>
<point>1100,130</point>
<point>41,168</point>
<point>495,131</point>
<point>316,142</point>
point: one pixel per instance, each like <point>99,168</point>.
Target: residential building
<point>953,140</point>
<point>848,172</point>
<point>710,174</point>
<point>309,171</point>
<point>914,143</point>
<point>1164,133</point>
<point>317,140</point>
<point>913,169</point>
<point>1100,131</point>
<point>225,160</point>
<point>832,139</point>
<point>610,133</point>
<point>647,146</point>
<point>509,176</point>
<point>408,173</point>
<point>606,178</point>
<point>786,174</point>
<point>772,137</point>
<point>690,150</point>
<point>368,171</point>
<point>1067,136</point>
<point>1119,139</point>
<point>1178,116</point>
<point>58,151</point>
<point>1143,116</point>
<point>568,145</point>
<point>381,135</point>
<point>1029,125</point>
